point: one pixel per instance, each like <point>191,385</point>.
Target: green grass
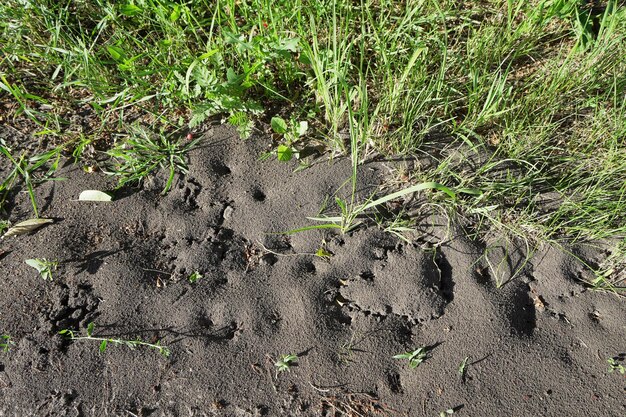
<point>522,101</point>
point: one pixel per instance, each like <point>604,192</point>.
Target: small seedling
<point>323,253</point>
<point>5,342</point>
<point>193,278</point>
<point>104,341</point>
<point>43,266</point>
<point>614,365</point>
<point>4,225</point>
<point>463,367</point>
<point>24,167</point>
<point>285,362</point>
<point>415,357</point>
<point>291,133</point>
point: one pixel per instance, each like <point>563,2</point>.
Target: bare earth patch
<point>538,345</point>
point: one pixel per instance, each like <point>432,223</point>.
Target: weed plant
<point>142,152</point>
<point>5,343</point>
<point>104,342</point>
<point>43,266</point>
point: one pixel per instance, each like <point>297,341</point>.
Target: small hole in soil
<point>549,392</point>
<point>309,267</point>
<point>367,276</point>
<point>220,168</point>
<point>258,195</point>
<point>269,259</point>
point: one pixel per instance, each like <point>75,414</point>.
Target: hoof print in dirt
<point>408,285</point>
<point>190,191</point>
<point>73,307</point>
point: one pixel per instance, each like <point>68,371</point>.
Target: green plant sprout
<point>5,343</point>
<point>25,167</point>
<point>105,341</point>
<point>348,219</point>
<point>193,278</point>
<point>291,133</point>
<point>142,152</point>
<point>614,365</point>
<point>43,266</point>
<point>4,225</point>
<point>415,357</point>
<point>463,367</point>
<point>285,362</point>
<point>323,253</point>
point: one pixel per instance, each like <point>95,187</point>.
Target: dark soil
<point>538,346</point>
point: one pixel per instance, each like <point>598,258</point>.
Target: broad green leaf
<point>175,15</point>
<point>26,227</point>
<point>130,10</point>
<point>103,346</point>
<point>94,195</point>
<point>231,76</point>
<point>116,53</point>
<point>284,153</point>
<point>37,264</point>
<point>279,125</point>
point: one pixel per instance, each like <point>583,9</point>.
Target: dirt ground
<point>537,346</point>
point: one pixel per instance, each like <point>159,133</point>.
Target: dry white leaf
<point>94,195</point>
<point>26,226</point>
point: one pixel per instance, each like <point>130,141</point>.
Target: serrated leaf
<point>26,226</point>
<point>290,44</point>
<point>130,10</point>
<point>279,125</point>
<point>231,75</point>
<point>284,153</point>
<point>94,195</point>
<point>103,346</point>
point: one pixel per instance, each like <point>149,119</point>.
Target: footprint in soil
<point>73,307</point>
<point>410,284</point>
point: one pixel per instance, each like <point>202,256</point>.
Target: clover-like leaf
<point>279,125</point>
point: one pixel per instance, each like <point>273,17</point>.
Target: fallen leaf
<point>26,226</point>
<point>94,195</point>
